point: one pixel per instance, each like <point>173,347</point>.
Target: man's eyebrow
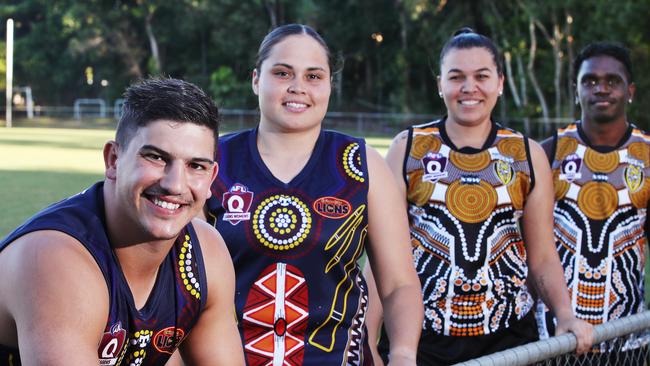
<point>167,155</point>
<point>158,150</point>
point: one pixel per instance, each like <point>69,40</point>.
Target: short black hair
<point>465,38</point>
<point>614,50</point>
<point>165,98</point>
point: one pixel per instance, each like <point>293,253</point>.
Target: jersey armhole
<point>407,151</point>
<point>530,164</point>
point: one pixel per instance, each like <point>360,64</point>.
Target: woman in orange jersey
<point>479,200</point>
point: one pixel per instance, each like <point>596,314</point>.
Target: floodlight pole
<point>10,69</point>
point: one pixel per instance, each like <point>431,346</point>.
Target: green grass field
<point>39,166</point>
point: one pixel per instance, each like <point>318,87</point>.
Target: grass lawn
<point>39,166</point>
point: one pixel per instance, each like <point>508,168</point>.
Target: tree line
<point>67,49</point>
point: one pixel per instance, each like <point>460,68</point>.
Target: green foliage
<point>226,90</point>
<point>213,43</point>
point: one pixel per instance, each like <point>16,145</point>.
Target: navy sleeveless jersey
<point>132,337</point>
<point>300,296</point>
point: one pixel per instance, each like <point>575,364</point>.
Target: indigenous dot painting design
<point>426,143</point>
<point>470,162</point>
<point>352,162</point>
<point>471,203</point>
<point>137,346</point>
<point>599,218</point>
<point>512,147</point>
<point>467,247</point>
<point>601,163</point>
<point>566,146</point>
<point>282,222</point>
<point>423,192</point>
<point>640,151</point>
<point>598,200</point>
<point>185,267</point>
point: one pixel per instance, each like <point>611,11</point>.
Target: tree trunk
<point>511,80</point>
<point>531,71</point>
<point>570,72</point>
<point>270,5</point>
<point>153,43</point>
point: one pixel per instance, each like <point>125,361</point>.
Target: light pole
<point>10,69</point>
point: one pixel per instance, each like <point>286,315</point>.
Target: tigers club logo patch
<point>633,177</point>
<point>237,203</point>
<point>504,171</point>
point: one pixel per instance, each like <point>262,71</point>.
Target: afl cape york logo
<point>434,165</point>
<point>332,207</point>
<point>570,168</point>
<point>166,340</point>
<point>237,203</point>
<point>110,347</point>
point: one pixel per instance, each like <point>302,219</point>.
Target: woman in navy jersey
<point>480,202</point>
<point>297,205</point>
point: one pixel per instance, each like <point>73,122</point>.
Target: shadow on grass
<point>26,192</point>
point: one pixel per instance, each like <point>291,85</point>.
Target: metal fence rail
<point>566,343</point>
<point>357,123</point>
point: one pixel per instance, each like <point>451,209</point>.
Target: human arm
<point>56,295</point>
<point>546,274</point>
<point>375,316</point>
<point>215,337</point>
<point>390,257</point>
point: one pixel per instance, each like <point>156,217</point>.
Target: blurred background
<point>73,59</point>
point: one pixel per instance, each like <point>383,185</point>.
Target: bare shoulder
<point>50,259</point>
<point>212,243</point>
<point>216,257</point>
<point>51,282</point>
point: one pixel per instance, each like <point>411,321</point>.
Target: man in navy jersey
<point>121,273</point>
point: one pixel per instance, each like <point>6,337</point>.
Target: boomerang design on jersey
<point>600,212</point>
<point>300,295</point>
<point>464,208</point>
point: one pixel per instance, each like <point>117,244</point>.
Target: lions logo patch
<point>237,203</point>
<point>434,165</point>
<point>504,171</point>
<point>166,340</point>
<point>570,168</point>
<point>332,207</point>
<point>111,346</point>
<point>633,177</point>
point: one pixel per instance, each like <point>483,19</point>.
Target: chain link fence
<point>91,113</point>
<point>625,342</point>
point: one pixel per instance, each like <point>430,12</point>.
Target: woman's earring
<point>500,92</point>
<point>440,94</point>
<point>629,101</point>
